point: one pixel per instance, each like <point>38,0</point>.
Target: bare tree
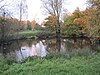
<point>2,4</point>
<point>23,12</point>
<point>55,8</point>
<point>5,6</point>
<point>23,9</point>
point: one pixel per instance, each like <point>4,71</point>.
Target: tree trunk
<point>58,39</point>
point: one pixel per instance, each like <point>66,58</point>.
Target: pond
<point>68,46</point>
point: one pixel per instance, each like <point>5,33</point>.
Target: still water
<point>22,49</point>
<point>67,46</point>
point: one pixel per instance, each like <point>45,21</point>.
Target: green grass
<point>29,32</point>
<point>35,32</point>
<point>78,65</point>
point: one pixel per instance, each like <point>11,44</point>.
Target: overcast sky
<point>35,11</point>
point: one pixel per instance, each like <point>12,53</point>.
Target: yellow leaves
<point>80,21</point>
<point>51,22</point>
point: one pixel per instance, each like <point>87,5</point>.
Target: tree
<point>29,26</point>
<point>33,24</point>
<point>7,27</point>
<point>72,29</point>
<point>94,20</point>
<point>22,13</point>
<point>80,19</point>
<point>55,8</point>
<point>74,23</point>
<point>95,4</point>
<point>50,23</point>
<point>5,33</point>
<point>23,9</point>
<point>1,6</point>
<point>13,24</point>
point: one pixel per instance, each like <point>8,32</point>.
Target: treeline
<point>85,22</point>
<point>17,25</point>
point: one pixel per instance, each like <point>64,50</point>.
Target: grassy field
<point>29,32</point>
<point>35,32</point>
<point>79,65</point>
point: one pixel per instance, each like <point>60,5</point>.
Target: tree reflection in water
<point>67,45</point>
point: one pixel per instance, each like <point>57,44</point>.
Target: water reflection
<point>31,47</point>
<point>37,48</point>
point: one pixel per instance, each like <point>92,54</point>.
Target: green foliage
<point>94,21</point>
<point>29,26</point>
<point>78,14</point>
<point>72,30</point>
<point>51,23</point>
<point>69,20</point>
<point>79,65</point>
<point>74,23</point>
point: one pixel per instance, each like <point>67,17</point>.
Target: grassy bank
<point>84,65</point>
<point>29,33</point>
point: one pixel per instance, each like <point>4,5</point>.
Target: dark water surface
<point>67,46</point>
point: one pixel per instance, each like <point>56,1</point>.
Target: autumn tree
<point>50,23</point>
<point>55,8</point>
<point>68,20</point>
<point>75,23</point>
<point>94,20</point>
<point>33,23</point>
<point>72,30</point>
<point>87,14</point>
